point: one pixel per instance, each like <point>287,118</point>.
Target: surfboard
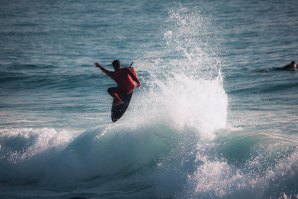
<point>118,111</point>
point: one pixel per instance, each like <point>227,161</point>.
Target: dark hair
<point>293,62</point>
<point>116,64</point>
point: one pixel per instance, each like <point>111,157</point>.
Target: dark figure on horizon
<point>126,79</point>
<point>291,66</point>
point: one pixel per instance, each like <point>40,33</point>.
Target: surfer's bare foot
<point>118,103</point>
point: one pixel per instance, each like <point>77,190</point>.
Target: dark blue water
<point>211,120</point>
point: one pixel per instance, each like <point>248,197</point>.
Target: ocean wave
<point>22,81</point>
<point>53,157</point>
<point>160,157</point>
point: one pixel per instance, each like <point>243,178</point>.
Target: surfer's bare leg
<point>115,95</point>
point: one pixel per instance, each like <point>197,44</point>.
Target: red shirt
<point>125,78</point>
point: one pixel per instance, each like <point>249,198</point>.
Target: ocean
<point>212,119</point>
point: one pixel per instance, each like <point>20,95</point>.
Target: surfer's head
<point>116,64</point>
<point>293,64</point>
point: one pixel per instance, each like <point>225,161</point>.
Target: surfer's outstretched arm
<point>102,69</point>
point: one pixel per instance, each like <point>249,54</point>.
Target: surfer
<point>291,66</point>
<point>126,79</point>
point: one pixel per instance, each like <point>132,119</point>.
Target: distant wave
<point>23,81</point>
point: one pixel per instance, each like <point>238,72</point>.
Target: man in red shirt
<point>126,79</point>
